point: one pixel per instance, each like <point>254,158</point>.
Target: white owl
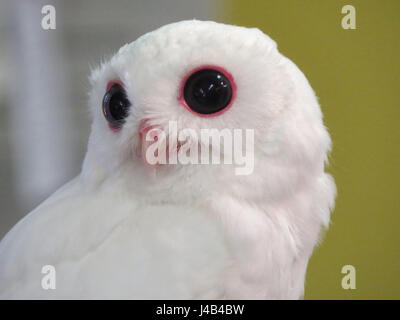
<point>189,231</point>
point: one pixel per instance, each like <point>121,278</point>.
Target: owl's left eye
<point>116,105</point>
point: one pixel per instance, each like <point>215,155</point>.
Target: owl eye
<point>115,105</point>
<point>208,91</point>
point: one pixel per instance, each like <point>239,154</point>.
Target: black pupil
<point>207,91</point>
<point>116,105</point>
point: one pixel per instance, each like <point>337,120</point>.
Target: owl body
<point>120,230</point>
<point>145,250</point>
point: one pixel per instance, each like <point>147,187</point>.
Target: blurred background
<point>44,122</point>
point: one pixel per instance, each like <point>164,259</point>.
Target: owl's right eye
<point>115,105</point>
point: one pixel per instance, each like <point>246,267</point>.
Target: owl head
<point>199,76</point>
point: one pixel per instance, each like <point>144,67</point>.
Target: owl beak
<point>156,146</point>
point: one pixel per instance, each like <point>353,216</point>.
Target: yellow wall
<point>356,74</point>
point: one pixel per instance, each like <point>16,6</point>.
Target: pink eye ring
<point>112,82</point>
<point>207,91</point>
